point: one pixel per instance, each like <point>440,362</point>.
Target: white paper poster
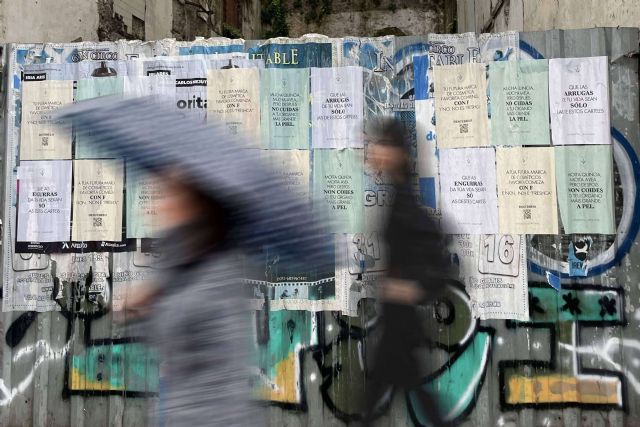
<point>526,179</point>
<point>468,187</point>
<point>461,105</point>
<point>138,86</point>
<point>292,166</point>
<point>42,136</point>
<point>97,200</point>
<point>189,81</point>
<point>337,106</point>
<point>579,100</point>
<point>493,268</point>
<point>127,273</point>
<point>44,201</point>
<point>234,99</point>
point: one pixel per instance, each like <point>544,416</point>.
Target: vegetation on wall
<point>231,32</point>
<point>274,19</point>
<point>317,9</point>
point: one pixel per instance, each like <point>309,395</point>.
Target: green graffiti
<point>278,355</point>
<point>129,367</point>
<point>457,384</point>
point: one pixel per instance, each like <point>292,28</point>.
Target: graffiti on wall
<point>93,366</point>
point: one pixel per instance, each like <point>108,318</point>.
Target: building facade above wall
<point>484,16</point>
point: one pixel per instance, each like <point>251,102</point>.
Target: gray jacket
<point>201,326</point>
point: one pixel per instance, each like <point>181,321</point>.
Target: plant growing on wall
<point>274,17</point>
<point>317,10</point>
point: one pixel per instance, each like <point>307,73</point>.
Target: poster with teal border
<point>337,187</point>
<point>94,88</point>
<point>144,192</point>
<point>584,179</point>
<point>284,95</point>
<point>519,102</point>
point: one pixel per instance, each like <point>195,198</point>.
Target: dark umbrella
<point>151,135</point>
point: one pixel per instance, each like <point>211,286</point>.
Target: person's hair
<point>388,131</point>
<point>214,216</point>
<point>391,132</point>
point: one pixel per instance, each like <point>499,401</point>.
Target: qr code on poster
<point>97,221</point>
<point>527,213</point>
<point>464,127</point>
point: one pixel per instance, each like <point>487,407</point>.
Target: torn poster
<point>337,178</point>
<point>144,193</point>
<point>361,262</point>
<point>97,200</point>
<point>305,52</point>
<point>461,105</point>
<point>337,107</point>
<point>284,96</point>
<point>453,49</point>
<point>292,166</point>
<point>578,257</point>
<point>502,46</point>
<point>519,102</point>
<point>493,268</point>
<point>468,185</point>
<point>427,165</point>
<point>585,189</point>
<point>31,288</point>
<point>128,273</point>
<point>237,62</point>
<point>234,99</point>
<point>90,272</point>
<point>42,136</point>
<point>93,88</point>
<point>44,201</point>
<point>579,100</point>
<point>292,285</point>
<point>526,180</point>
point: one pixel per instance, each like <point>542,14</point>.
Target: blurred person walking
<point>417,267</point>
<point>219,204</point>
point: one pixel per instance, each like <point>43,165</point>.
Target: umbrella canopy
<point>151,135</point>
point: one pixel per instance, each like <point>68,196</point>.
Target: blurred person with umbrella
<point>219,204</point>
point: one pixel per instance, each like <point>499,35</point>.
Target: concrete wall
<point>251,24</point>
<point>158,19</point>
<point>29,21</point>
<point>539,15</point>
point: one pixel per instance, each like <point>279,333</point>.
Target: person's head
<point>387,148</point>
<point>183,202</point>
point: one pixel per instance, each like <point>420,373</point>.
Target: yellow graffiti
<point>80,382</point>
<point>563,389</point>
<point>283,389</point>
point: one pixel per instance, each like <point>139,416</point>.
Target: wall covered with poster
<point>524,149</point>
